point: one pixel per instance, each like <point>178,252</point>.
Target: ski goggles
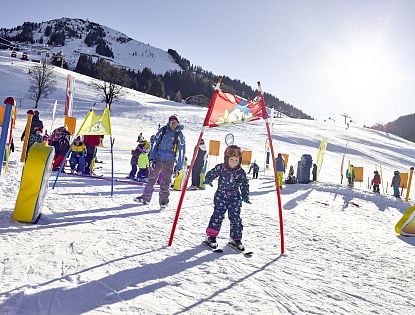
<point>233,152</point>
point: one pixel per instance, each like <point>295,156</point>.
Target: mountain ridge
<point>89,42</point>
<point>75,37</point>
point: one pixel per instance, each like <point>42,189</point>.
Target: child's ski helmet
<point>396,173</point>
<point>233,150</point>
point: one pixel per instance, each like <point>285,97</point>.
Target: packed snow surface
<point>93,253</point>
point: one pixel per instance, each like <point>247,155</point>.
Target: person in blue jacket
<point>280,168</point>
<point>233,188</point>
<point>169,145</point>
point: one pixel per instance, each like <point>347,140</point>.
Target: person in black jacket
<point>314,172</point>
<point>36,123</point>
<point>255,170</point>
<point>63,146</point>
<point>198,166</point>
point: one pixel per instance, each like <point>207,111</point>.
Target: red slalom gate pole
<point>205,123</point>
<point>179,206</point>
<point>275,171</point>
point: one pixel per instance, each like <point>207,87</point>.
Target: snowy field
<point>97,254</point>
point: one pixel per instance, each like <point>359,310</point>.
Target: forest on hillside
<point>191,85</point>
<point>403,127</point>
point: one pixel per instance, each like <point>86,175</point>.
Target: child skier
<point>376,182</point>
<point>255,170</point>
<point>396,182</point>
<point>78,154</point>
<point>35,137</point>
<point>143,163</point>
<point>350,176</point>
<point>62,148</point>
<point>233,188</point>
<point>134,159</point>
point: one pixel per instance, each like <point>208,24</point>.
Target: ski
<point>215,250</point>
<point>121,180</point>
<point>246,254</point>
<point>86,175</point>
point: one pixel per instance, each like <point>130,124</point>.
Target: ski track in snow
<point>93,253</point>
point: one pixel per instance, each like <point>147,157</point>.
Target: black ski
<point>246,254</point>
<point>215,250</point>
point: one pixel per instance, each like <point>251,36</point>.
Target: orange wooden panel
<point>246,157</point>
<point>70,123</point>
<point>358,174</point>
<point>285,157</point>
<point>214,147</point>
<point>404,180</point>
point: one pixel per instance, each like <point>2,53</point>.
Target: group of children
<point>396,183</point>
<point>139,157</point>
<point>376,181</point>
<point>82,151</point>
<point>82,155</point>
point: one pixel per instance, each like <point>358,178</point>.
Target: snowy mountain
<point>92,253</point>
<point>74,37</point>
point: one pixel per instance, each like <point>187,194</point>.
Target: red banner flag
<point>69,95</point>
<point>227,108</point>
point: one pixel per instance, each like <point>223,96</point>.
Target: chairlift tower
<point>345,117</point>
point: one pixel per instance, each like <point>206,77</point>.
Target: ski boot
<point>140,199</point>
<point>237,244</point>
<point>211,242</point>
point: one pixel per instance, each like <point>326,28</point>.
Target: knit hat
<point>173,117</point>
<point>396,173</point>
<point>30,112</point>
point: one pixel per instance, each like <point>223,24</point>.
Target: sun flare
<point>360,69</point>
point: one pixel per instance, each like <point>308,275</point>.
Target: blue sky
<point>326,57</point>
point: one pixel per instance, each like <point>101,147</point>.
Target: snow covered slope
<point>92,253</point>
<point>127,52</point>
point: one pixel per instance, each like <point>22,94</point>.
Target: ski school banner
<point>70,82</point>
<point>227,108</point>
<point>96,125</point>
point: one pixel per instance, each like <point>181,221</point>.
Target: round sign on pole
<point>229,139</point>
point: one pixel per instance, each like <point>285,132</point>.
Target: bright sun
<point>359,69</point>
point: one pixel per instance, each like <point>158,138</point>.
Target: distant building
<point>59,60</point>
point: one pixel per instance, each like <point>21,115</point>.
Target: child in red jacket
<point>376,182</point>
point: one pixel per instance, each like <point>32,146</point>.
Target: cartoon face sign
<point>230,108</point>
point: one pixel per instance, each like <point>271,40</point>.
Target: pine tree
<point>178,96</point>
<point>156,88</point>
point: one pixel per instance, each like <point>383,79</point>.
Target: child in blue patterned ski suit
<point>233,188</point>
